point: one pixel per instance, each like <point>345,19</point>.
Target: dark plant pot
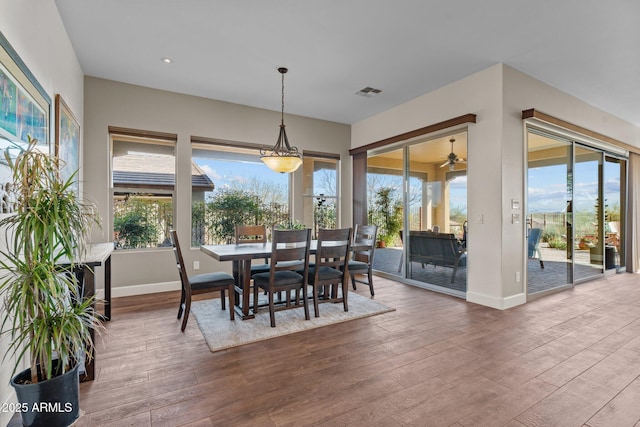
<point>50,403</point>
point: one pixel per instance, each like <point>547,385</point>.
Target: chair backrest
<point>533,240</point>
<point>184,278</point>
<point>334,248</point>
<point>365,235</point>
<point>251,234</point>
<point>290,250</point>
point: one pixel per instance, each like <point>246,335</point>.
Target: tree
<point>229,207</point>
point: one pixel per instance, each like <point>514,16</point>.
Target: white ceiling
<point>230,49</point>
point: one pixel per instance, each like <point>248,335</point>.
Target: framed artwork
<point>25,111</point>
<point>67,141</point>
<point>25,108</point>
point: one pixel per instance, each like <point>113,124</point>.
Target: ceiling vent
<point>368,92</point>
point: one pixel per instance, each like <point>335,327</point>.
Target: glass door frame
<point>605,151</point>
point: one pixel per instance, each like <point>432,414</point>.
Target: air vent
<point>368,92</point>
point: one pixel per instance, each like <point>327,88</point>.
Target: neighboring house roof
<point>154,171</point>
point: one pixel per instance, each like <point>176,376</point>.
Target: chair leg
<point>370,274</point>
<point>305,301</point>
<point>232,302</point>
<point>353,281</point>
<point>180,308</point>
<point>345,293</point>
<point>222,298</point>
<point>272,310</point>
<point>187,309</point>
<point>316,310</point>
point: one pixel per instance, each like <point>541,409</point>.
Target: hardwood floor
<point>569,359</point>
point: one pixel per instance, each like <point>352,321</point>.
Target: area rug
<point>220,333</point>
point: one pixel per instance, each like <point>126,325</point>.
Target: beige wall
<point>35,31</point>
<point>109,103</point>
<point>497,95</point>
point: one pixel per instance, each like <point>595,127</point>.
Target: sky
<point>547,190</point>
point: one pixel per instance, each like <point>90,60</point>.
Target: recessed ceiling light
<point>167,60</point>
<point>368,92</point>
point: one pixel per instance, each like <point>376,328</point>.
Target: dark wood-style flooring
<point>569,359</point>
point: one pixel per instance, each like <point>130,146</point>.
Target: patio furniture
<point>331,267</point>
<point>438,249</point>
<point>289,252</point>
<point>362,261</point>
<point>533,245</point>
<point>201,283</point>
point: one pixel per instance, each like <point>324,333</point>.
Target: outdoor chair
<point>289,252</point>
<point>331,270</point>
<point>362,262</point>
<point>201,283</point>
<point>533,245</point>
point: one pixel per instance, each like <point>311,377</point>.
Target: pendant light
<point>281,157</point>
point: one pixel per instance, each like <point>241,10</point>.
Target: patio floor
<point>553,275</point>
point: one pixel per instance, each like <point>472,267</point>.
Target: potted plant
<point>45,316</point>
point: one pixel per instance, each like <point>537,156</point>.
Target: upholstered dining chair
<point>364,242</point>
<point>330,270</point>
<point>289,252</point>
<point>200,283</point>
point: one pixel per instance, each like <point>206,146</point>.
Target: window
<point>239,189</point>
<point>320,182</point>
<point>142,186</point>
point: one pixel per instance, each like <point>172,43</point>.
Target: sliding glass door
<point>549,212</point>
<point>576,198</point>
<point>587,213</point>
<point>417,195</point>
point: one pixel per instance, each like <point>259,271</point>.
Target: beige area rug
<point>221,333</point>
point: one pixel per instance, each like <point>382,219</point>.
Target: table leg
<point>242,274</point>
<point>246,289</point>
<point>107,289</point>
<point>89,288</point>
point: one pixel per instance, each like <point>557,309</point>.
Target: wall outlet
<point>196,265</point>
<point>517,277</point>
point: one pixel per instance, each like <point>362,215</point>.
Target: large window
<point>239,189</point>
<point>142,187</point>
<point>320,182</point>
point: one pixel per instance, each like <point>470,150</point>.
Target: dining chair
<point>252,234</point>
<point>289,252</point>
<point>200,283</point>
<point>364,243</point>
<point>331,268</point>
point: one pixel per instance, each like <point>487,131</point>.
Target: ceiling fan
<point>452,158</point>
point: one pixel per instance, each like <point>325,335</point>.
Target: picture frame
<point>25,107</point>
<point>67,142</point>
<point>25,112</point>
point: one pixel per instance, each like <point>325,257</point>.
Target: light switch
<point>515,204</point>
<point>515,218</point>
<point>479,219</point>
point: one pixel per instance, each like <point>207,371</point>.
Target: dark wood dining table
<point>241,256</point>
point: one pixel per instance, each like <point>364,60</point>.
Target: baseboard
<point>150,288</point>
<point>498,303</point>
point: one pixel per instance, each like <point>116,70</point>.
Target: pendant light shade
<point>281,157</point>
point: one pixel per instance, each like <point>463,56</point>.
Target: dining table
<point>241,256</point>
